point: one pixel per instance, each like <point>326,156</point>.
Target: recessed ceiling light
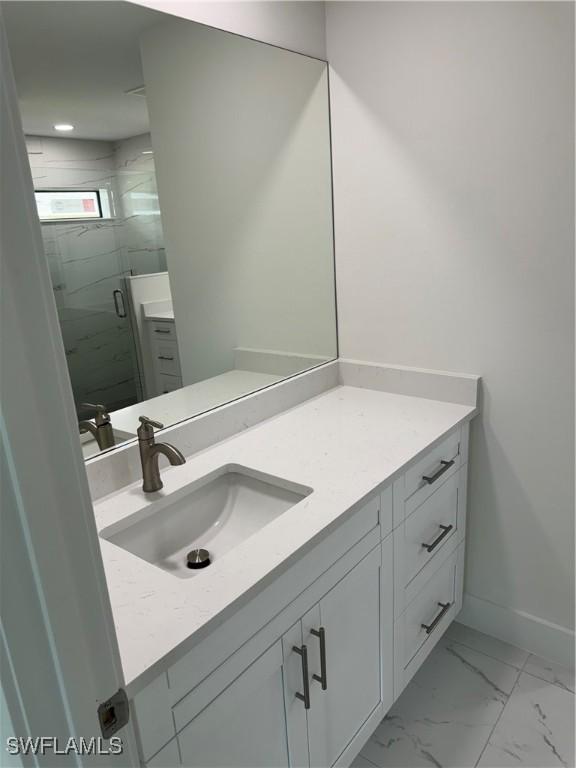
<point>147,151</point>
<point>63,127</point>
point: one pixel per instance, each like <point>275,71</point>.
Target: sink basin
<point>215,513</point>
<point>90,446</point>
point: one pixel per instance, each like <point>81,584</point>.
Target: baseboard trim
<point>531,633</point>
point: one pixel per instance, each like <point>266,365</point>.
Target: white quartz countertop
<point>344,444</point>
<point>158,310</point>
<point>158,315</point>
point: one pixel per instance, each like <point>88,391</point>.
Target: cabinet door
<point>245,726</point>
<point>350,617</point>
<point>296,721</point>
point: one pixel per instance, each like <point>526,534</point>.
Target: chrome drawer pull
<point>321,678</point>
<point>163,357</point>
<point>157,330</point>
<point>445,531</point>
<point>305,697</point>
<point>431,627</point>
<point>444,468</point>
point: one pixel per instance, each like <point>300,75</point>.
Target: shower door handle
<point>119,307</point>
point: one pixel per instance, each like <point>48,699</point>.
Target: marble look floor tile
<point>478,641</point>
<point>536,728</point>
<point>447,712</point>
<point>553,673</point>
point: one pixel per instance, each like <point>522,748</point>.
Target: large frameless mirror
<point>182,177</point>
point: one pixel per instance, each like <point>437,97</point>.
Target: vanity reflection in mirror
<point>183,184</point>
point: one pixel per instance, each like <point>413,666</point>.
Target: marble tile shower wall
<point>143,236</point>
<point>88,260</point>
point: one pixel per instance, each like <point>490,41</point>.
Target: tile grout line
<point>524,663</point>
<point>520,670</point>
<point>555,684</point>
<point>545,680</point>
<point>488,655</point>
<point>500,715</point>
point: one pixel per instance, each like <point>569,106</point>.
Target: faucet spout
<point>172,454</point>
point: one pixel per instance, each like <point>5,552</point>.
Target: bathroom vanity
<point>330,506</point>
<point>293,644</point>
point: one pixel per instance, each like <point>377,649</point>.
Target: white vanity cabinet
<point>350,618</point>
<point>307,689</point>
<point>305,698</point>
<point>361,611</point>
<point>165,356</point>
<point>429,533</point>
<point>245,725</point>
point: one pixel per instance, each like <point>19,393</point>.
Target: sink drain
<point>198,558</point>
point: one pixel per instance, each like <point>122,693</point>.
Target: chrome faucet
<point>150,453</point>
<point>100,428</point>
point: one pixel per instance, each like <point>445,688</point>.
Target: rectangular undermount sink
<point>216,513</point>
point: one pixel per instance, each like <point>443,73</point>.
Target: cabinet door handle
<point>305,697</point>
<point>164,357</point>
<point>157,330</point>
<point>321,678</point>
<point>445,531</point>
<point>444,468</point>
<point>431,627</point>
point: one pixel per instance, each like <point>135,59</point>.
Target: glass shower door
<point>87,261</point>
<point>87,272</point>
<point>92,245</point>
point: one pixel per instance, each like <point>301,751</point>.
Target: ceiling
<point>73,62</point>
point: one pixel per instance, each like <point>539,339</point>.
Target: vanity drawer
<point>163,331</point>
<point>426,532</point>
<point>427,473</point>
<point>414,563</point>
<point>425,616</point>
<point>166,357</point>
<point>168,383</point>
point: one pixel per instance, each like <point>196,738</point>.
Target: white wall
<point>241,143</point>
<point>299,26</point>
<point>453,129</point>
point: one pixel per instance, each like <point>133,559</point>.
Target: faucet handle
<point>155,424</point>
<point>102,415</point>
<point>147,427</point>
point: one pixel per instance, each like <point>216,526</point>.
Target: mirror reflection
<point>183,183</point>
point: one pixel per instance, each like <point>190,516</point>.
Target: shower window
<point>64,204</point>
